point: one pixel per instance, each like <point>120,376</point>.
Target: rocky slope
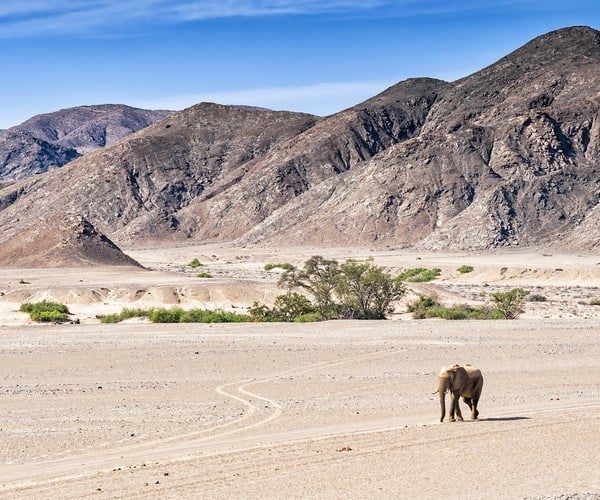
<point>62,240</point>
<point>507,156</point>
<point>54,139</point>
<point>137,187</point>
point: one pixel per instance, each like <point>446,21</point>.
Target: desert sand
<point>339,409</point>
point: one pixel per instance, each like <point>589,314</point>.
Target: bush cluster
<point>286,266</point>
<point>507,305</point>
<point>465,269</point>
<point>176,315</point>
<point>126,313</point>
<point>419,274</point>
<point>46,311</point>
<point>352,290</point>
<point>288,307</point>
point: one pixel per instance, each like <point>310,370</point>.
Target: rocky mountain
<point>51,140</point>
<point>136,188</point>
<point>507,156</point>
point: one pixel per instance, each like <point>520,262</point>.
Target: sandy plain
<point>339,409</point>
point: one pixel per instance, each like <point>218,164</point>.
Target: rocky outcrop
<point>23,155</point>
<point>62,240</point>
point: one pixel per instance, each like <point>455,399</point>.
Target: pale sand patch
<point>332,410</point>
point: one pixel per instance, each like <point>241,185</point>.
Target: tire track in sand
<point>37,473</point>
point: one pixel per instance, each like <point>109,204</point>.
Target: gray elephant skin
<point>461,381</point>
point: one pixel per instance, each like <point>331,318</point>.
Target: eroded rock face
<point>507,156</point>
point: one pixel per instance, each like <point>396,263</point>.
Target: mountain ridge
<point>508,156</point>
<point>51,140</point>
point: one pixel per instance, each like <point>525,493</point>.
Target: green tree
<point>292,305</point>
<point>367,291</point>
<point>510,303</point>
<point>318,278</point>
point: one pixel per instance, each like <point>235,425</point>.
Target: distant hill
<point>508,156</point>
<point>62,240</point>
<point>54,139</point>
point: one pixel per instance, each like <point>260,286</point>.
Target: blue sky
<point>307,55</point>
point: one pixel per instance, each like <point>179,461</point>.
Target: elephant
<point>465,381</point>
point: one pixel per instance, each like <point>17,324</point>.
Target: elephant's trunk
<point>442,391</point>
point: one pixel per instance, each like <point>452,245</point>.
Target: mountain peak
<point>506,156</point>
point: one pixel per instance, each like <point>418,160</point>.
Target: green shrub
<point>44,305</point>
<point>421,305</point>
<point>262,313</point>
<point>109,318</point>
<point>195,263</point>
<point>447,312</point>
<point>309,318</point>
<point>510,303</point>
<point>163,315</point>
<point>429,307</point>
<point>126,313</point>
<point>419,274</point>
<point>205,316</point>
<point>46,311</point>
<point>49,316</point>
<point>292,305</point>
<point>288,307</point>
<point>285,266</point>
<point>176,315</point>
<point>135,313</point>
<point>465,269</point>
<point>204,275</point>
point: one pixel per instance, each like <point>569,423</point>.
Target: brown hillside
<point>507,156</point>
<point>62,241</point>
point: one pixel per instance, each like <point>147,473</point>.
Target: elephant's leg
<point>456,407</point>
<point>474,411</point>
<point>468,402</point>
<point>452,407</point>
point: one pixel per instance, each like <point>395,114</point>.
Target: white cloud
<point>18,18</point>
<point>320,98</point>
